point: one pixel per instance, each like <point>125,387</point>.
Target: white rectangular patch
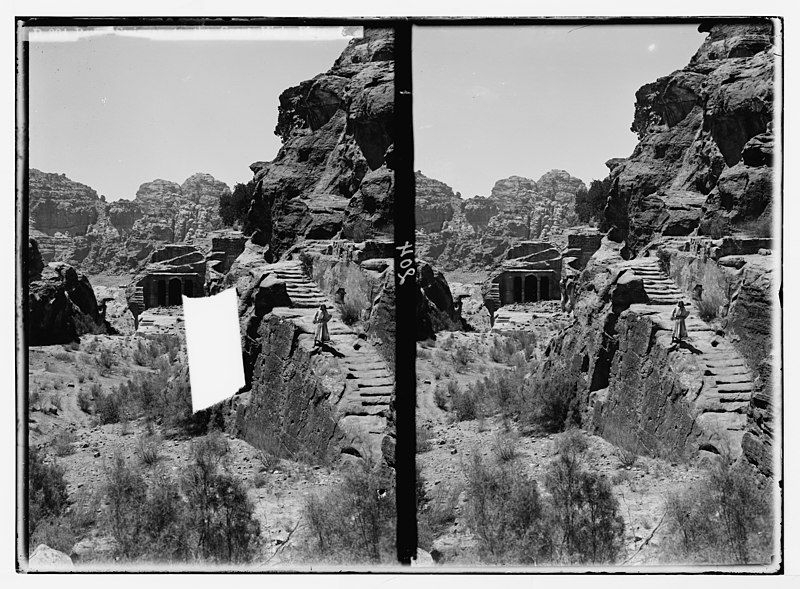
<point>213,344</point>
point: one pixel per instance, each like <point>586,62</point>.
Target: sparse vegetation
<point>588,527</point>
<point>47,489</point>
<point>505,446</point>
<point>506,514</point>
<point>663,260</point>
<point>206,515</point>
<point>63,443</point>
<point>147,450</point>
<point>726,519</point>
<point>627,458</point>
<point>708,308</point>
<point>85,400</point>
<point>355,521</point>
<point>465,404</point>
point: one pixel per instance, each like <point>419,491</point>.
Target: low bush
<point>505,445</point>
<point>105,359</point>
<point>663,260</point>
<point>725,519</point>
<point>85,401</point>
<point>147,449</point>
<point>588,527</point>
<point>626,458</point>
<point>47,489</point>
<point>354,522</point>
<point>553,405</point>
<point>707,308</point>
<point>462,356</point>
<point>506,514</point>
<point>63,443</point>
<point>465,404</point>
<point>440,397</point>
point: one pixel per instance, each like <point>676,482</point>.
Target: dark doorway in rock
<point>188,288</point>
<point>517,289</point>
<point>162,293</point>
<point>544,288</point>
<point>174,291</point>
<point>530,289</point>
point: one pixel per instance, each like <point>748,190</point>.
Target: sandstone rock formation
<point>332,175</point>
<point>702,165</point>
<point>705,143</point>
<point>456,233</point>
<point>61,303</point>
<point>72,224</point>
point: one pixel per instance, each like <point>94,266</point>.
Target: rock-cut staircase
<point>364,404</point>
<point>728,387</point>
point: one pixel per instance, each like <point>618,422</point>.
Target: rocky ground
<point>445,447</point>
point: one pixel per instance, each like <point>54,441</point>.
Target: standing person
<point>321,318</point>
<point>679,315</point>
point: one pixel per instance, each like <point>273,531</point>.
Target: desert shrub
<point>663,260</point>
<point>147,450</point>
<point>726,519</point>
<point>105,359</point>
<point>307,264</point>
<point>63,356</point>
<point>626,458</point>
<point>55,398</point>
<point>355,521</point>
<point>148,522</point>
<point>464,403</point>
<point>506,514</point>
<point>233,208</point>
<point>269,462</point>
<point>34,397</point>
<point>221,519</point>
<point>553,403</point>
<point>125,493</point>
<point>462,356</point>
<point>47,489</point>
<point>504,446</point>
<point>423,439</point>
<point>85,401</point>
<point>110,407</point>
<point>61,532</point>
<point>587,525</point>
<point>707,308</point>
<point>62,443</point>
<point>350,310</point>
<point>440,397</point>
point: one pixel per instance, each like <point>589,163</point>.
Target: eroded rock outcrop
<point>476,232</point>
<point>705,142</point>
<point>73,225</point>
<point>61,303</point>
<point>332,175</point>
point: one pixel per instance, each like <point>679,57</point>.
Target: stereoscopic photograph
<point>598,234</point>
<point>240,351</point>
<point>181,180</point>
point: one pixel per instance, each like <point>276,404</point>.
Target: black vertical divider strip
<point>405,309</point>
<point>21,292</point>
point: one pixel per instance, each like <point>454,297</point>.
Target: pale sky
<point>491,102</point>
<point>114,112</point>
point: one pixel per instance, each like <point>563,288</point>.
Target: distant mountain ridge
<point>71,223</point>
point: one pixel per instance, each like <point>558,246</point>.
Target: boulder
<point>46,559</point>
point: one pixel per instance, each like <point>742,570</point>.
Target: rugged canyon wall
<point>704,157</point>
<point>456,233</point>
<point>333,174</point>
<point>320,228</point>
<point>702,166</point>
<point>61,304</point>
<point>73,225</point>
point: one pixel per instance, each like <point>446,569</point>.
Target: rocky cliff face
<point>705,143</point>
<point>332,175</point>
<point>61,303</point>
<point>73,225</point>
<point>703,163</point>
<point>475,233</point>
